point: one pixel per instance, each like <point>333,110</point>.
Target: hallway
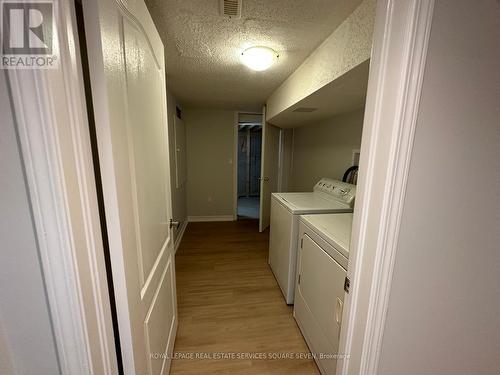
<point>228,301</point>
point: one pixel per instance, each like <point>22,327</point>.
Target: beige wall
<point>444,306</point>
<point>210,144</point>
<point>250,117</point>
<point>324,149</point>
<point>179,195</point>
<point>348,46</point>
<point>286,166</point>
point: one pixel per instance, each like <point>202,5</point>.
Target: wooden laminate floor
<point>230,305</point>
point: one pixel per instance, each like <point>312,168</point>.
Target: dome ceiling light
<point>259,58</point>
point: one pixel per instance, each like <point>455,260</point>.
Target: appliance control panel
<point>338,189</point>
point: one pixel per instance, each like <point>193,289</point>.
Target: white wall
<point>210,148</point>
<point>348,46</point>
<point>27,344</point>
<point>179,195</point>
<point>324,149</point>
<point>444,306</point>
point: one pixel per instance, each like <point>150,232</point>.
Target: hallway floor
<point>229,302</point>
<point>248,207</point>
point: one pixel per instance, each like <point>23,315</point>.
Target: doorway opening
<point>249,144</point>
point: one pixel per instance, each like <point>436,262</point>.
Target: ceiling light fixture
<point>259,58</point>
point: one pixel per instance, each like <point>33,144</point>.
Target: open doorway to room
<point>249,145</point>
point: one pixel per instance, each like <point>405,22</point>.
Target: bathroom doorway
<point>249,147</point>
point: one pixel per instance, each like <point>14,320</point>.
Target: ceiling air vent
<point>230,8</point>
<point>304,109</point>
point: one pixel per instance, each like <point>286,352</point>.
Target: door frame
<point>400,43</point>
<point>53,134</point>
<point>235,158</point>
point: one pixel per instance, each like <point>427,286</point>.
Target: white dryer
<point>319,296</point>
<point>328,196</point>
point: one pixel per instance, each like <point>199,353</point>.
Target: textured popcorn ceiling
<point>203,47</point>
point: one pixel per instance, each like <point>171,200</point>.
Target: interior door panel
<point>127,69</point>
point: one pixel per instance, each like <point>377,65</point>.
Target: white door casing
<point>51,120</point>
<point>397,67</point>
<point>127,73</point>
<point>269,171</point>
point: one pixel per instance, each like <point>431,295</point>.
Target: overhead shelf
<point>344,94</point>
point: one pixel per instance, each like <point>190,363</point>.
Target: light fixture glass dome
<point>259,58</point>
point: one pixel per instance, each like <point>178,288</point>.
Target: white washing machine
<point>328,196</point>
<point>319,296</point>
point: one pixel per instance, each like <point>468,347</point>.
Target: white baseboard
<point>180,234</point>
<point>193,219</point>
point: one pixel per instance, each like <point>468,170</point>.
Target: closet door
<point>129,94</point>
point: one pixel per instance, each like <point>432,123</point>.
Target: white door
<point>269,169</point>
<point>128,89</point>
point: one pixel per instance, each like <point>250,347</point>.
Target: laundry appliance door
<point>318,301</point>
